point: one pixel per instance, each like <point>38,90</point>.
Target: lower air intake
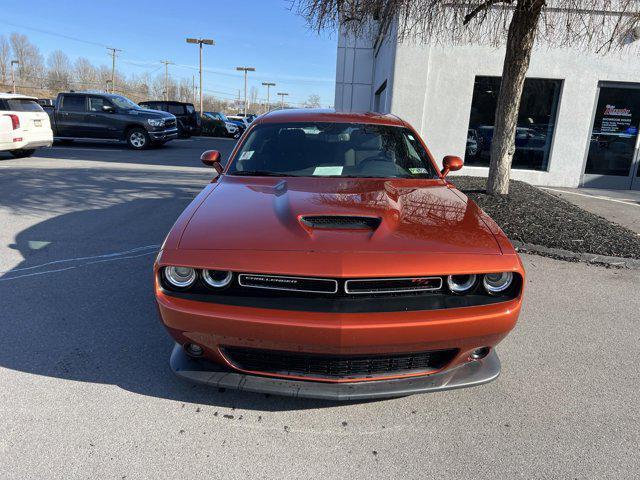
<point>336,367</point>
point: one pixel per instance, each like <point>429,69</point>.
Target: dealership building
<point>578,120</point>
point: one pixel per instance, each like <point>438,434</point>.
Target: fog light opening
<point>480,353</point>
<point>193,350</point>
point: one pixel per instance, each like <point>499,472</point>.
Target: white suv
<point>24,125</point>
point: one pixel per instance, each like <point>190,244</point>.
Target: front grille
<point>170,123</point>
<point>336,366</point>
<point>392,285</point>
<point>340,222</point>
<point>291,284</point>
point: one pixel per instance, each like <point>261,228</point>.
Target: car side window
<point>175,109</point>
<point>96,104</point>
<point>73,103</point>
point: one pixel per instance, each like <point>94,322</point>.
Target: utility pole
<point>282,95</point>
<point>13,75</point>
<point>268,84</point>
<point>113,67</point>
<point>245,70</point>
<point>193,87</point>
<point>200,42</point>
<point>166,77</point>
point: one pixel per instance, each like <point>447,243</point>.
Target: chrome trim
<point>404,290</point>
<point>240,277</point>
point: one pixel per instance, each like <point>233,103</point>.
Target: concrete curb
<point>602,260</point>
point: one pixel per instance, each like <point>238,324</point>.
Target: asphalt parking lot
<point>86,391</point>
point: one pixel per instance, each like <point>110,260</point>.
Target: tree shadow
<point>77,307</point>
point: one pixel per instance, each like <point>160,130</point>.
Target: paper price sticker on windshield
<point>246,155</point>
<point>417,171</point>
<point>328,171</point>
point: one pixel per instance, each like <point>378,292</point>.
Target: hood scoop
<point>340,222</point>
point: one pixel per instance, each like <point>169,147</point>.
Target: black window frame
<point>551,128</point>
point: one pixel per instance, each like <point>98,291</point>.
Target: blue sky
<point>259,33</point>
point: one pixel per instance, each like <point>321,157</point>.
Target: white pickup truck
<point>24,125</point>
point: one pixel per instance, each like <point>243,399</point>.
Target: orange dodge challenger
<point>331,259</point>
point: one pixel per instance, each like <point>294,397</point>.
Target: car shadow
<point>80,305</point>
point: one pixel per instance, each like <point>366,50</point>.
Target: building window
<point>380,99</point>
<point>536,122</point>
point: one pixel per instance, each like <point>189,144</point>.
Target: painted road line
<point>599,197</point>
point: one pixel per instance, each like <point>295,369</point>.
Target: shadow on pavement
<point>95,319</point>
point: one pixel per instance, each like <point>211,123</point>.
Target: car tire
<point>138,138</point>
<point>22,153</point>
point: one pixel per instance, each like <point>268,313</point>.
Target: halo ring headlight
<point>179,277</point>
<point>217,278</point>
<point>461,284</point>
<point>495,283</point>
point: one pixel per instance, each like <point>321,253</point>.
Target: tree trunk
<point>522,34</point>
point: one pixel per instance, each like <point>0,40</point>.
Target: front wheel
<point>22,153</point>
<point>138,138</point>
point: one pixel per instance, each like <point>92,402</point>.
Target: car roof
<point>16,95</point>
<point>329,116</point>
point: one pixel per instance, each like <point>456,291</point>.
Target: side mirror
<point>211,158</point>
<point>450,163</point>
<point>108,109</point>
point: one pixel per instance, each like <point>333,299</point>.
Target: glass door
<point>612,158</point>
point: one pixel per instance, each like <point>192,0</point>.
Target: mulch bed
<point>531,215</point>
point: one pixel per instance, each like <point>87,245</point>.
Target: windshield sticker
<point>328,171</point>
<point>246,155</point>
<point>417,171</point>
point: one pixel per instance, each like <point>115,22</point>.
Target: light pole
<point>245,70</point>
<point>268,84</point>
<point>113,67</point>
<point>13,76</point>
<point>282,95</point>
<point>200,42</point>
<point>166,77</point>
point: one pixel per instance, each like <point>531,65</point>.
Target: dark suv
<point>109,116</point>
<point>189,122</point>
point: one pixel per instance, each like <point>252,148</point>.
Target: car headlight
<point>179,277</point>
<point>231,127</point>
<point>217,278</point>
<point>461,283</point>
<point>155,122</point>
<point>495,283</point>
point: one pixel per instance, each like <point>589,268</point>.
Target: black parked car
<point>109,116</point>
<point>216,124</point>
<point>189,122</point>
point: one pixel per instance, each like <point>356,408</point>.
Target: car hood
<point>251,213</point>
<point>152,113</point>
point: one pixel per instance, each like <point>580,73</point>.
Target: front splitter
<point>201,371</point>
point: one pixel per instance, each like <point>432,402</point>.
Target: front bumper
<point>465,375</point>
<point>164,135</point>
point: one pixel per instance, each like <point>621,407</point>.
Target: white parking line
<point>74,149</point>
<point>599,197</point>
<point>106,257</point>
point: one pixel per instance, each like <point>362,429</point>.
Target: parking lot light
<point>200,42</point>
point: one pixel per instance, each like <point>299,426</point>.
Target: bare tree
<point>59,71</point>
<point>31,67</point>
<point>600,25</point>
<point>5,58</point>
<point>313,101</point>
<point>86,75</point>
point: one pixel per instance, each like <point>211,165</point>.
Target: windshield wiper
<point>261,173</point>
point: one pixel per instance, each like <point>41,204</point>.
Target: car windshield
<point>332,150</point>
<point>23,105</point>
<point>124,102</point>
